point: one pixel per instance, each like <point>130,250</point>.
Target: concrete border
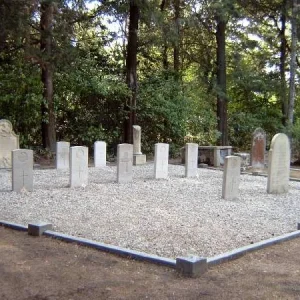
<point>113,249</point>
<point>13,226</point>
<point>238,252</point>
<point>189,266</point>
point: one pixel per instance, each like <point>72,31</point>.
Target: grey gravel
<point>170,218</point>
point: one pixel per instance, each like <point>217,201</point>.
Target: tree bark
<point>293,63</point>
<point>131,70</point>
<point>176,50</point>
<point>221,81</point>
<point>165,62</point>
<point>282,66</point>
<point>47,106</point>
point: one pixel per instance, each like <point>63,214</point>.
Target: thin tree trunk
<point>176,50</point>
<point>47,106</point>
<point>282,67</point>
<point>293,63</point>
<point>165,62</point>
<point>221,81</point>
<point>131,70</point>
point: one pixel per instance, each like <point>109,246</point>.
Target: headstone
<point>258,149</point>
<point>62,155</point>
<point>79,166</point>
<point>100,154</point>
<point>124,163</point>
<point>8,141</point>
<point>22,170</point>
<point>161,160</point>
<point>138,157</point>
<point>191,160</point>
<point>279,164</point>
<point>231,177</point>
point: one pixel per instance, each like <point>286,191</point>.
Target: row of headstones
<point>278,169</point>
<point>77,162</point>
<point>278,172</point>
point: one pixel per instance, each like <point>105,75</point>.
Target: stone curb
<point>236,253</point>
<point>113,249</point>
<point>13,226</point>
<point>188,266</point>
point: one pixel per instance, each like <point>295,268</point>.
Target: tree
<point>131,69</point>
<point>47,106</point>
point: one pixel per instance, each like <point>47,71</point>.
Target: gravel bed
<point>170,218</point>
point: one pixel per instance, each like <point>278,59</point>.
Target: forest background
<point>201,71</point>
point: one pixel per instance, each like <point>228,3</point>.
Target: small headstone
<point>191,160</point>
<point>22,170</point>
<point>138,157</point>
<point>161,160</point>
<point>79,166</point>
<point>8,141</point>
<point>258,149</point>
<point>279,164</point>
<point>100,154</point>
<point>62,155</point>
<point>231,177</point>
<point>124,163</point>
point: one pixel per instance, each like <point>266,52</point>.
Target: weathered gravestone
<point>138,157</point>
<point>124,163</point>
<point>279,164</point>
<point>100,154</point>
<point>22,170</point>
<point>191,160</point>
<point>258,149</point>
<point>62,155</point>
<point>79,166</point>
<point>8,141</point>
<point>231,177</point>
<point>161,160</point>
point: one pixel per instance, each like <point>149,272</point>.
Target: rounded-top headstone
<point>279,164</point>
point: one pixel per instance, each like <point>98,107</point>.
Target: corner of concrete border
<point>38,228</point>
<point>193,266</point>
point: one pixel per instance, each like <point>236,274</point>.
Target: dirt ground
<point>41,268</point>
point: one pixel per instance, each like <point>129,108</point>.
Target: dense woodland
<point>207,71</point>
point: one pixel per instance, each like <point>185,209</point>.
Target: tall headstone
<point>138,157</point>
<point>79,166</point>
<point>258,149</point>
<point>231,177</point>
<point>100,154</point>
<point>62,155</point>
<point>191,160</point>
<point>8,141</point>
<point>124,163</point>
<point>161,160</point>
<point>22,170</point>
<point>279,164</point>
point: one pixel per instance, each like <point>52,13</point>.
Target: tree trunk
<point>282,66</point>
<point>221,81</point>
<point>131,70</point>
<point>293,63</point>
<point>165,62</point>
<point>176,50</point>
<point>47,106</point>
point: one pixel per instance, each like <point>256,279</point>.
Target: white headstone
<point>191,160</point>
<point>8,141</point>
<point>22,170</point>
<point>279,164</point>
<point>100,154</point>
<point>124,163</point>
<point>79,166</point>
<point>231,177</point>
<point>161,160</point>
<point>137,139</point>
<point>62,155</point>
